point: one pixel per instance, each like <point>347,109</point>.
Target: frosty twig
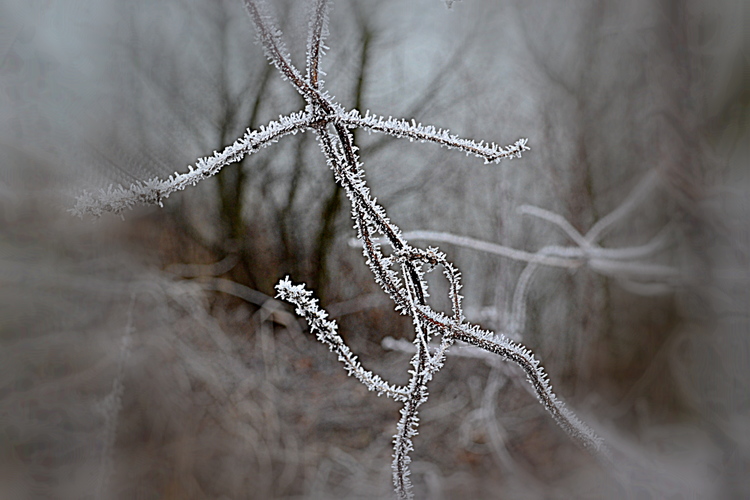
<point>401,274</point>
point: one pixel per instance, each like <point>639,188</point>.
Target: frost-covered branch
<point>401,275</point>
<point>523,357</point>
<point>408,290</point>
<point>318,32</point>
<point>490,152</point>
<point>327,332</point>
<point>538,379</point>
<point>155,191</point>
<point>270,37</point>
<point>489,354</point>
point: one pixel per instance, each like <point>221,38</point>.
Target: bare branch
<point>492,248</point>
<point>643,188</point>
<point>557,220</point>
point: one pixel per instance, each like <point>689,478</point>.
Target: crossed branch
<point>624,264</point>
<point>401,274</point>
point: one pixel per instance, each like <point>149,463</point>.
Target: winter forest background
<point>140,358</point>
